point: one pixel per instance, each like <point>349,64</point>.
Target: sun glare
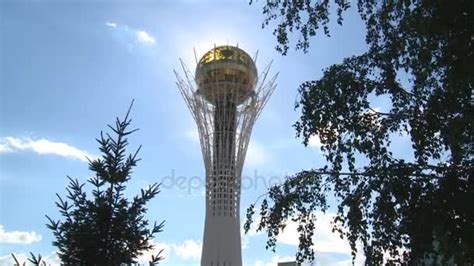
<point>196,45</point>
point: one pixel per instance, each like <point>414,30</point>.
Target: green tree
<point>33,259</point>
<point>412,211</point>
<point>107,229</point>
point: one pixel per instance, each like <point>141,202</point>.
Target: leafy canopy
<point>420,56</point>
<point>107,229</point>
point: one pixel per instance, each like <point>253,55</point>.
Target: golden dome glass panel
<point>226,72</point>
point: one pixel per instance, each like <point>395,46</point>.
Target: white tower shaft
<point>224,125</point>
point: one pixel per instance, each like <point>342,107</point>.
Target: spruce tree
<point>107,228</point>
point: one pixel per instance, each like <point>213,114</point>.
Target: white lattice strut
<point>224,120</point>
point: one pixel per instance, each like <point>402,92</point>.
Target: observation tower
<point>225,97</point>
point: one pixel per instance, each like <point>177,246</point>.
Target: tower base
<point>221,245</point>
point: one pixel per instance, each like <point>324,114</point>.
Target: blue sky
<point>70,67</point>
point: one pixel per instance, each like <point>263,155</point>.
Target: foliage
<point>107,229</point>
<point>35,260</point>
<point>420,56</point>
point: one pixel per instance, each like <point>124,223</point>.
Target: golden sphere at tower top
<point>226,73</point>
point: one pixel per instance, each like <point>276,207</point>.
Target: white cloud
<point>325,240</point>
<point>131,35</point>
<point>53,258</point>
<point>144,37</point>
<point>314,141</point>
<point>111,24</point>
<point>50,260</point>
<point>189,250</point>
<point>253,227</point>
<point>256,154</point>
<point>43,146</point>
<point>4,148</point>
<point>146,256</point>
<point>18,237</point>
<point>326,243</point>
<point>252,232</point>
<point>274,260</point>
<point>7,260</point>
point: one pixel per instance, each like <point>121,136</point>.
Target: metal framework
<point>224,121</point>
